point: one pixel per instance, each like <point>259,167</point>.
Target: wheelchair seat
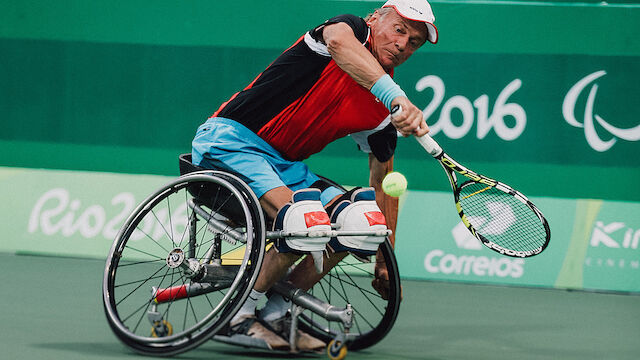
<point>208,194</point>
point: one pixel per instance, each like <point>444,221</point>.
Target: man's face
<point>394,38</point>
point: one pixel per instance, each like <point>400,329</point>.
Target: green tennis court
<point>51,308</point>
<point>98,98</point>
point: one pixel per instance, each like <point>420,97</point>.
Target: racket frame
<point>451,167</point>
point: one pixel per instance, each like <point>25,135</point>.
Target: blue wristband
<point>386,90</point>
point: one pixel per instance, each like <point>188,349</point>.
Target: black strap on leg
<point>321,184</point>
<point>345,196</point>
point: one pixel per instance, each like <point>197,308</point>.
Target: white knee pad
<point>361,213</point>
<point>305,214</point>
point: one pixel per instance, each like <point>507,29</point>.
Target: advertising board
<point>594,243</point>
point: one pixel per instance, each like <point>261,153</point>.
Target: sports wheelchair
<point>187,257</point>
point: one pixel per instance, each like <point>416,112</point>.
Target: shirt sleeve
<point>380,141</point>
<point>314,38</point>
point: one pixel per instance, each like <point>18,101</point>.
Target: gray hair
<point>381,11</point>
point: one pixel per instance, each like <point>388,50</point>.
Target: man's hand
<point>411,120</point>
<point>381,281</point>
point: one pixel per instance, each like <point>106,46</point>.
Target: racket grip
<point>430,145</point>
<point>426,141</point>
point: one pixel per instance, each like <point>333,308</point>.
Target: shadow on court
<point>51,308</point>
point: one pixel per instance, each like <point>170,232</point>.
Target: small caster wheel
<point>161,329</point>
<point>336,350</point>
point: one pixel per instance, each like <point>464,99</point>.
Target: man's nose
<point>401,43</point>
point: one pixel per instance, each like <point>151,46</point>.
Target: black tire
<point>138,267</point>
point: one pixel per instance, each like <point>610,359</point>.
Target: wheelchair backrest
<point>186,166</point>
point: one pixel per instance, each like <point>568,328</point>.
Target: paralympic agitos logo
<point>593,139</point>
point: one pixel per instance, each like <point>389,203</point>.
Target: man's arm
<point>351,56</point>
<point>354,59</point>
<point>389,207</point>
<point>386,203</point>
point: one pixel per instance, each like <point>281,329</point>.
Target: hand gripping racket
<point>502,218</point>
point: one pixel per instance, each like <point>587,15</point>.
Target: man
<point>334,81</point>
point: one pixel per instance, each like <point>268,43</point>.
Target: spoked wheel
<point>349,282</point>
<point>183,263</point>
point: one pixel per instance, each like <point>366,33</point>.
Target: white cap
<point>416,10</point>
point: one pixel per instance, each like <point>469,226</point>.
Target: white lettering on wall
<point>485,122</point>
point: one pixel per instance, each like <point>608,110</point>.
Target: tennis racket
<point>502,218</point>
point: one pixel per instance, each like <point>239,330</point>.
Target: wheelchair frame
<point>202,238</point>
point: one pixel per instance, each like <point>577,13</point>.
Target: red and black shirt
<point>303,101</point>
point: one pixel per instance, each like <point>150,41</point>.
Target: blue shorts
<point>225,144</point>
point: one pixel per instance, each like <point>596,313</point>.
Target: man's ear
<point>373,18</point>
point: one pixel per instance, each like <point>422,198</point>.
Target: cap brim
<point>432,32</point>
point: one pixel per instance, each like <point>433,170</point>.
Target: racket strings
<point>502,218</point>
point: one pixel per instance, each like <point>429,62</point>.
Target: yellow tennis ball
<point>394,184</point>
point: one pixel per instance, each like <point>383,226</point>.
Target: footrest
<point>242,340</point>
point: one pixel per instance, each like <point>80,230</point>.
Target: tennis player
<point>336,80</point>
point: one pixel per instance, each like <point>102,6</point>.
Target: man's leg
<point>273,200</point>
<point>274,267</point>
<point>275,264</point>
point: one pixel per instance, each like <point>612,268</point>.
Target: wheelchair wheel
<point>183,263</point>
<point>349,282</point>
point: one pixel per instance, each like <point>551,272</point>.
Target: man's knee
<point>357,210</point>
<point>303,215</point>
<point>274,199</point>
<point>304,222</point>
